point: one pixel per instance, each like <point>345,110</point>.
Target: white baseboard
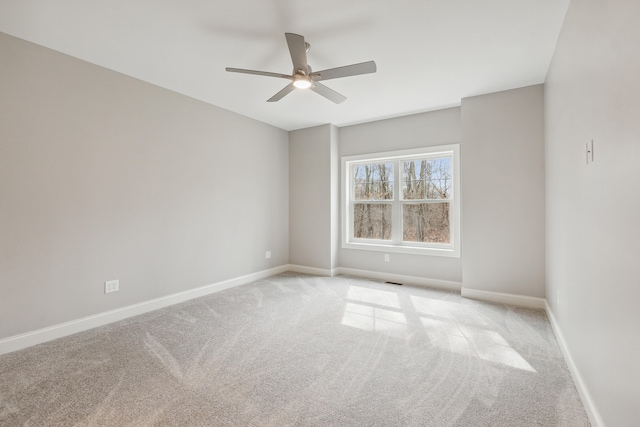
<point>587,401</point>
<point>311,270</point>
<point>400,278</point>
<point>18,342</point>
<point>502,298</point>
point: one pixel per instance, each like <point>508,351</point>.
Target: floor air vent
<point>394,283</point>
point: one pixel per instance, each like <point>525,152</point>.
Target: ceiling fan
<point>302,76</point>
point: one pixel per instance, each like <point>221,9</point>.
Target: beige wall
<point>336,238</point>
<point>502,165</point>
<point>593,210</point>
<point>414,131</point>
<point>106,177</point>
<point>312,228</point>
<point>502,207</point>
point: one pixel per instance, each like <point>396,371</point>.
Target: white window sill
<point>381,247</point>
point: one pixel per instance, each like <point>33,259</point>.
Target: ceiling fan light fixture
<point>301,82</point>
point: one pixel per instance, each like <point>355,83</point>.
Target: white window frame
<point>396,245</point>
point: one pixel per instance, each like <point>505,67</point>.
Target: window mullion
<point>396,235</point>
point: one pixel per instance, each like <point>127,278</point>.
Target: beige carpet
<point>296,350</point>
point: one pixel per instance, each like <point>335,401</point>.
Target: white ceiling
<point>430,53</point>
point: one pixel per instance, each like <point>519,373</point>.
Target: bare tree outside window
<point>372,221</point>
<point>373,184</point>
<point>426,222</point>
<point>426,180</point>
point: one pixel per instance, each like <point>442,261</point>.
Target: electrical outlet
<point>267,255</point>
<point>111,286</point>
<point>386,257</point>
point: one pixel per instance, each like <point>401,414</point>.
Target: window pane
<point>373,181</point>
<point>426,179</point>
<point>372,221</point>
<point>426,222</point>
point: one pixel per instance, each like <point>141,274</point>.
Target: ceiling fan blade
<point>330,94</point>
<point>259,73</point>
<point>346,71</point>
<point>298,52</point>
<point>285,91</point>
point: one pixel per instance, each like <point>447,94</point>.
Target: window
<point>403,201</point>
